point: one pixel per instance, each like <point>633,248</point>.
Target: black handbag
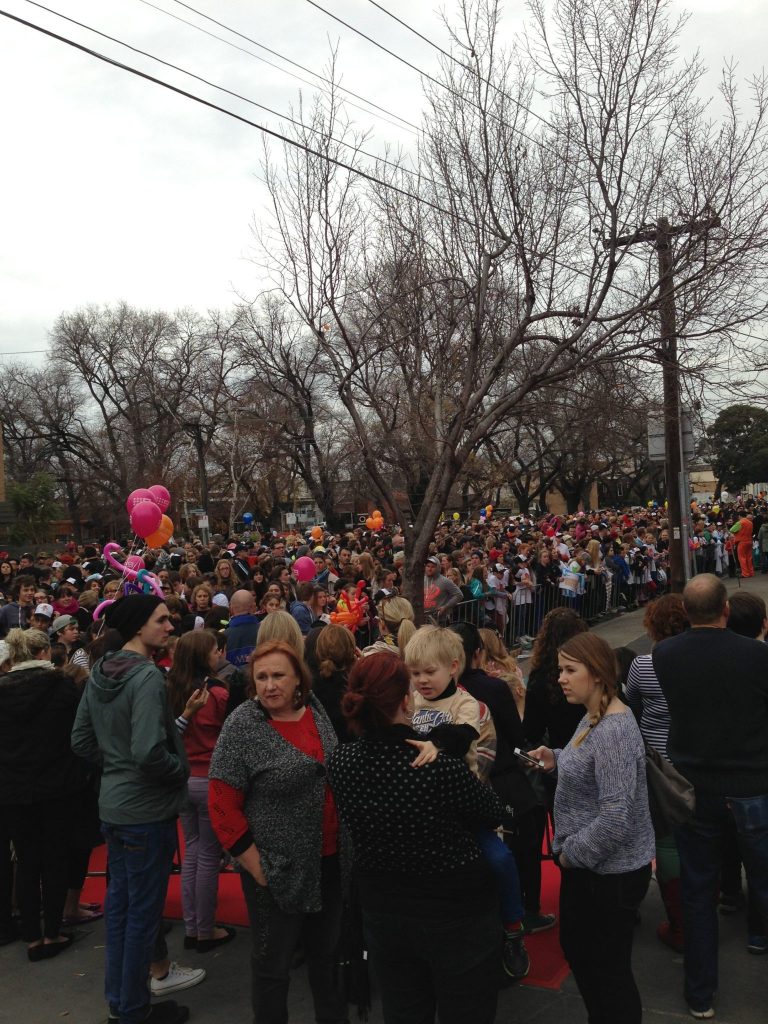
<point>671,797</point>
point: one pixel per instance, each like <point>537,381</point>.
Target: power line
<point>411,127</point>
<point>283,138</point>
<point>221,88</point>
<point>419,71</point>
<point>466,67</point>
<point>230,113</point>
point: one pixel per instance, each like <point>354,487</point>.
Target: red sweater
<point>203,730</point>
<point>226,804</point>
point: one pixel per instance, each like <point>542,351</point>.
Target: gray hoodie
<point>125,722</point>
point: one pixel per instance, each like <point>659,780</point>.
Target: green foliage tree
<point>739,446</point>
<point>35,507</point>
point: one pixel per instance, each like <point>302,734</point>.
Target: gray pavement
<point>68,990</point>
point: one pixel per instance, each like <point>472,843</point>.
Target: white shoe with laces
<point>176,979</point>
<point>701,1014</point>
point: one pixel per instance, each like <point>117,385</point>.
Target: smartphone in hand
<point>528,760</point>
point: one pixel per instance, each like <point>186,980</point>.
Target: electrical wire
<point>461,64</point>
<point>230,113</point>
<point>412,128</point>
<point>278,135</point>
<point>420,71</point>
<point>221,88</point>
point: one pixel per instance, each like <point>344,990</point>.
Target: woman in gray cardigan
<point>271,807</point>
<point>604,840</point>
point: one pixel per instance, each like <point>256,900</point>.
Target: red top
<point>226,804</point>
<point>203,730</point>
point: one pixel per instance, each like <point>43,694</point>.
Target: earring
<point>298,699</point>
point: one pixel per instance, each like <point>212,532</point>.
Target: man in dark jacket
<point>124,721</point>
<point>243,627</point>
<point>716,686</point>
<point>18,613</point>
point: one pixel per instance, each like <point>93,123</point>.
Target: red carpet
<point>548,968</point>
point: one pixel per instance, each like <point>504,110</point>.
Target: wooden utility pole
<point>661,235</point>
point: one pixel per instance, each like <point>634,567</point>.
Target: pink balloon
<point>145,518</point>
<point>161,496</point>
<point>135,562</point>
<point>137,496</point>
<point>304,569</point>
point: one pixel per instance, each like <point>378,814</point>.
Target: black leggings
<point>597,921</point>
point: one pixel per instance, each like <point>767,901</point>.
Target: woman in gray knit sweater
<point>604,840</point>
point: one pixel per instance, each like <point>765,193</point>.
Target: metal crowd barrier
<point>518,615</point>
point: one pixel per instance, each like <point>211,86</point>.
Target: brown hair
<point>665,617</point>
<point>190,666</point>
<point>297,663</point>
<point>377,687</point>
<point>335,650</point>
<point>598,658</point>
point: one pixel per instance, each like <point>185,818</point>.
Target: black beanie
<point>130,613</point>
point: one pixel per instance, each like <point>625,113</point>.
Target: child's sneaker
<point>514,955</point>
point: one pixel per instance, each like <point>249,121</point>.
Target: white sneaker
<point>701,1014</point>
<point>177,979</point>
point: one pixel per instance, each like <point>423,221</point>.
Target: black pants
<point>525,842</point>
<point>276,934</point>
<point>40,837</point>
<point>6,878</point>
<point>428,963</point>
<point>597,920</point>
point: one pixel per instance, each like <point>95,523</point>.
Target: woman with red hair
<point>430,909</point>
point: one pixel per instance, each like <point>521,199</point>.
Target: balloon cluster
<point>146,509</point>
<point>375,521</point>
<point>486,513</point>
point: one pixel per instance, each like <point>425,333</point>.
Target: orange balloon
<point>370,522</point>
<point>376,514</point>
<point>317,533</point>
<point>162,534</point>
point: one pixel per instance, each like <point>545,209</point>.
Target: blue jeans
<point>140,859</point>
<point>700,844</point>
<point>502,862</point>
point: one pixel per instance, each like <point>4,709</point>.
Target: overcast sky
<point>113,188</point>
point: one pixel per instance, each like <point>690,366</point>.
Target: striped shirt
<point>645,697</point>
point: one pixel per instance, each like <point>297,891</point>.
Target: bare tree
<point>439,303</point>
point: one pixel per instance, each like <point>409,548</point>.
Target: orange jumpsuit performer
<point>742,534</point>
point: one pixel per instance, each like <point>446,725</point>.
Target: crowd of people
<point>379,785</point>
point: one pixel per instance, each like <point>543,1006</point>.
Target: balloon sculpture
<point>138,579</point>
<point>350,611</point>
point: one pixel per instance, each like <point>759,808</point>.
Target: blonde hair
<point>282,627</point>
<point>432,644</point>
<point>494,650</point>
<point>398,615</point>
<point>597,656</point>
<point>26,644</point>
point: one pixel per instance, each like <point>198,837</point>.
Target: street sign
<point>202,522</point>
<point>656,445</point>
